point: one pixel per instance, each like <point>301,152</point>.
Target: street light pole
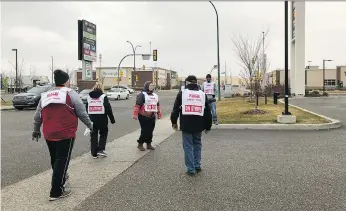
<point>15,83</point>
<point>324,72</point>
<point>286,59</point>
<point>134,59</point>
<point>218,51</point>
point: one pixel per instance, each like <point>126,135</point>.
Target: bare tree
<point>249,55</point>
<point>70,74</point>
<point>19,74</point>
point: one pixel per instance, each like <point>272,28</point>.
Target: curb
<point>7,108</point>
<point>333,124</point>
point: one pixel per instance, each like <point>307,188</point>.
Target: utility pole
<point>100,57</point>
<point>15,83</point>
<point>52,69</point>
<point>225,74</point>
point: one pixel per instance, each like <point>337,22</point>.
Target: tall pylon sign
<point>297,70</point>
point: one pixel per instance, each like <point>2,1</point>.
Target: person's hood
<point>192,86</point>
<point>95,93</point>
<point>146,87</point>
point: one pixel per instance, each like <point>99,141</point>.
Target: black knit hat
<point>208,76</point>
<point>60,77</point>
<point>191,79</point>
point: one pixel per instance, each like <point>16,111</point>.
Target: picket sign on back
<point>193,102</point>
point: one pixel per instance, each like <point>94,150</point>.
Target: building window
<point>330,82</point>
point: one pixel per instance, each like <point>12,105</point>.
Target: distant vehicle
<point>84,95</point>
<point>29,99</point>
<point>130,90</point>
<point>118,93</point>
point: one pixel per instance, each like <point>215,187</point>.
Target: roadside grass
<point>231,111</point>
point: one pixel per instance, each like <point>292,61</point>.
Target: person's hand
<point>113,121</point>
<point>175,127</point>
<point>159,115</point>
<point>91,126</point>
<point>135,117</point>
<point>36,135</point>
<point>207,131</point>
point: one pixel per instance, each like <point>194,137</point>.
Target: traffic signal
<point>155,55</point>
<point>136,77</point>
<point>121,73</point>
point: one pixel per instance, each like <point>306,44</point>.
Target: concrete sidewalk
<point>242,170</point>
<point>87,175</point>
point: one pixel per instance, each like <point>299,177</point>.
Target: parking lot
<point>22,158</point>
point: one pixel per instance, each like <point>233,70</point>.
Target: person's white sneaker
<point>102,154</point>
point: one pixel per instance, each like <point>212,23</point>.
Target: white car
<point>130,90</point>
<point>118,94</point>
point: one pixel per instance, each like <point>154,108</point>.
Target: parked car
<point>84,95</point>
<point>118,93</point>
<point>29,99</point>
<point>129,89</point>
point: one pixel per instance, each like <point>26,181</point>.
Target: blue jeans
<point>192,143</point>
<point>213,110</point>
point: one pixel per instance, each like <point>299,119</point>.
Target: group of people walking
<point>60,108</point>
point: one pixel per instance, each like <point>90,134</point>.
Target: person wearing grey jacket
<point>58,111</point>
<point>209,88</point>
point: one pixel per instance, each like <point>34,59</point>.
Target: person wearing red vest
<point>58,111</point>
<point>99,109</point>
<point>145,110</point>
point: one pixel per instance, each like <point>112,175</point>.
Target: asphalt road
<point>22,158</point>
<point>242,170</point>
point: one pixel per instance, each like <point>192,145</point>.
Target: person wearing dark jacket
<point>58,111</point>
<point>145,110</point>
<point>192,108</point>
<point>99,109</point>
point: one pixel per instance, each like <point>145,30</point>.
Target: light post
<point>218,51</point>
<point>286,59</point>
<point>324,72</point>
<point>15,83</point>
<point>215,66</point>
<point>134,59</point>
<point>309,64</point>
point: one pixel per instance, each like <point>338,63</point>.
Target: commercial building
<point>334,78</point>
<point>108,76</point>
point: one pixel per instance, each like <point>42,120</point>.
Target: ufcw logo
<point>194,96</point>
<point>54,94</point>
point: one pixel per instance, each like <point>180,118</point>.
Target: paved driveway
<point>333,106</point>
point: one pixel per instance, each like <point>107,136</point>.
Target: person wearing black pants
<point>58,111</point>
<point>99,109</point>
<point>145,110</point>
<point>148,126</point>
<point>60,155</point>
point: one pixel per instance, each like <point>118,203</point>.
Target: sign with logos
<point>113,73</point>
<point>88,70</point>
<point>86,41</point>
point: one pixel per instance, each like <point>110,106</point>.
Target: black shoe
<point>64,194</point>
<point>191,173</point>
<point>198,170</point>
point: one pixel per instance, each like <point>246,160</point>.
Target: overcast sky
<point>183,32</point>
